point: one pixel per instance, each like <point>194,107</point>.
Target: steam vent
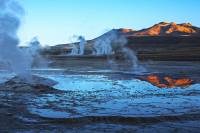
<point>99,66</point>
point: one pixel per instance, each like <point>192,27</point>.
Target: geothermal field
<point>100,100</point>
<point>123,81</point>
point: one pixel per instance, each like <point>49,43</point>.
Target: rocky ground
<point>96,99</point>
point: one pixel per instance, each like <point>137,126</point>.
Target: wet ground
<point>92,97</point>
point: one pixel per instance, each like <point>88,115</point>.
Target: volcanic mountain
<point>164,29</point>
<point>162,41</point>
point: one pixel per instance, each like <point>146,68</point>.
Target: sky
<point>57,21</point>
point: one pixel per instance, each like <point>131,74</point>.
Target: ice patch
<point>49,113</point>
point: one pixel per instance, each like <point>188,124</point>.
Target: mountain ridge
<point>163,29</point>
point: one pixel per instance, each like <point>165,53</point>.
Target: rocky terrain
<point>77,100</point>
<point>165,29</point>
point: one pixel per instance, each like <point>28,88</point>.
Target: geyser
<point>81,45</point>
<point>10,53</point>
<point>103,44</point>
<point>34,52</point>
<point>34,46</point>
<point>79,50</point>
<point>112,42</point>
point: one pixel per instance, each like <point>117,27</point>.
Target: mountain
<point>164,29</point>
<point>162,41</point>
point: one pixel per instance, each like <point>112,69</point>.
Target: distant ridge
<point>163,41</point>
<point>164,29</point>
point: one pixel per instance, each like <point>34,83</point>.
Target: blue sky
<point>56,21</point>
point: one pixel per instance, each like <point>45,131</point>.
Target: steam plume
<point>81,49</point>
<point>10,14</point>
<point>113,41</point>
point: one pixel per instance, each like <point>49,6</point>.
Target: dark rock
<point>37,84</point>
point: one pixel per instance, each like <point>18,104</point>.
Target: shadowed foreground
<point>92,99</point>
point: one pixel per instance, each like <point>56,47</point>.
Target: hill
<point>165,29</point>
<point>162,41</point>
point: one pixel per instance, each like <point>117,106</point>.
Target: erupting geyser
<point>109,44</point>
<point>81,49</point>
<point>10,53</point>
<point>113,41</point>
<point>34,46</point>
<point>104,44</point>
<point>81,45</point>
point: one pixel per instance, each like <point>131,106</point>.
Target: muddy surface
<point>89,99</point>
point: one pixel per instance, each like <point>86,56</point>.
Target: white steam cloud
<point>80,49</point>
<point>106,44</point>
<point>113,41</point>
<point>10,53</point>
<point>33,52</point>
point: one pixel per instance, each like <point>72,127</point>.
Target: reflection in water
<point>110,97</point>
<point>100,95</point>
